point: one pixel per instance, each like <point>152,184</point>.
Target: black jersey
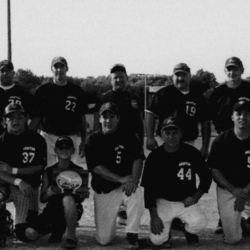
<point>222,101</point>
<point>171,176</point>
<point>24,150</point>
<point>190,108</point>
<point>129,106</point>
<point>60,108</point>
<point>17,95</point>
<point>116,152</point>
<point>231,156</point>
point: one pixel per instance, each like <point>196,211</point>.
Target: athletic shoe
<point>219,229</point>
<point>70,244</point>
<point>132,241</point>
<point>192,239</point>
<point>122,218</point>
<point>147,244</point>
<point>245,225</point>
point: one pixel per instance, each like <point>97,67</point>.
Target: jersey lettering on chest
<point>243,99</point>
<point>190,108</point>
<point>118,151</point>
<point>71,103</point>
<point>15,100</point>
<point>184,173</point>
<point>134,103</point>
<point>28,154</point>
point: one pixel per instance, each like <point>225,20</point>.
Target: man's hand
<point>239,205</point>
<point>129,187</point>
<point>82,149</point>
<point>50,192</point>
<point>5,167</point>
<point>156,224</point>
<point>151,143</point>
<point>240,193</point>
<point>189,201</point>
<point>26,189</point>
<point>204,152</point>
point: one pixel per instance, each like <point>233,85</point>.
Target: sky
<point>147,36</point>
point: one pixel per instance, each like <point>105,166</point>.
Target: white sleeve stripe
<point>148,111</point>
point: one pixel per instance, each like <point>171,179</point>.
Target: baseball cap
<point>171,122</point>
<point>181,67</point>
<point>234,61</point>
<point>241,105</point>
<point>12,108</point>
<point>59,59</point>
<point>6,63</point>
<point>64,141</point>
<point>118,67</point>
<point>109,106</point>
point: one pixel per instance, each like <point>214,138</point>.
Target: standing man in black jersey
<point>129,104</point>
<point>12,93</point>
<point>169,181</point>
<point>60,109</point>
<point>23,156</point>
<point>114,158</point>
<point>229,160</point>
<point>225,96</point>
<point>178,100</point>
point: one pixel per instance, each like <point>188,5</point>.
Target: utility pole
<point>9,30</point>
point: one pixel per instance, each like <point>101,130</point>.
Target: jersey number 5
<point>181,174</point>
<point>28,157</point>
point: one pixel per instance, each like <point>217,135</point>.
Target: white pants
<point>22,204</point>
<point>106,210</point>
<point>193,217</point>
<point>231,220</point>
<point>51,155</point>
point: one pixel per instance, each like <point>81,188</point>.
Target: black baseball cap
<point>64,141</point>
<point>234,61</point>
<point>181,67</point>
<point>59,59</point>
<point>171,122</point>
<point>109,106</point>
<point>6,63</point>
<point>118,67</point>
<point>12,108</point>
<point>241,105</point>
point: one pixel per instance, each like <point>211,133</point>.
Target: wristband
<point>14,170</point>
<point>17,182</point>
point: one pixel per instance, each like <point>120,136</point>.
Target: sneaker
<point>132,241</point>
<point>147,244</point>
<point>192,239</point>
<point>219,229</point>
<point>245,225</point>
<point>70,244</point>
<point>55,238</point>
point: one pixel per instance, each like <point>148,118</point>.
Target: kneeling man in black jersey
<point>114,157</point>
<point>170,187</point>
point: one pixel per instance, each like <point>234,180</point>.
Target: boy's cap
<point>109,106</point>
<point>181,67</point>
<point>12,108</point>
<point>171,122</point>
<point>59,59</point>
<point>6,63</point>
<point>234,61</point>
<point>64,140</point>
<point>242,105</point>
<point>118,67</point>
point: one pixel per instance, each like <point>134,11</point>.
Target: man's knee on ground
<point>68,201</point>
<point>104,240</point>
